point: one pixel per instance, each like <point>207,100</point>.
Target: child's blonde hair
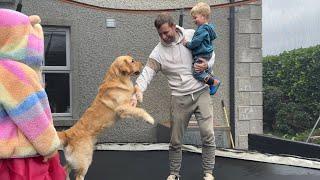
<point>202,9</point>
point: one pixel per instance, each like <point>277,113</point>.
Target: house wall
<point>94,47</point>
<point>248,73</point>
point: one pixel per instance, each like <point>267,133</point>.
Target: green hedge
<point>291,83</point>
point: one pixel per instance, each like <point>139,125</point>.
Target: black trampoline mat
<point>153,165</point>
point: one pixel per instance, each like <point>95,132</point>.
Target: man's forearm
<point>148,72</point>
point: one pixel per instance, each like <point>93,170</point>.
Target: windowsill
<point>63,121</point>
<point>7,2</point>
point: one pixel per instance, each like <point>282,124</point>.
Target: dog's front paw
<point>149,119</point>
<point>139,97</point>
<point>139,93</point>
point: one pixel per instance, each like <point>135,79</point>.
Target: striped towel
<point>26,127</point>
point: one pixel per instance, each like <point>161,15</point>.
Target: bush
<point>272,100</point>
<point>292,118</point>
<point>291,84</point>
<point>304,136</point>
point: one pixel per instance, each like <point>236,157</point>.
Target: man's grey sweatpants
<point>182,108</point>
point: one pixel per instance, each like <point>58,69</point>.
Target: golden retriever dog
<point>111,103</point>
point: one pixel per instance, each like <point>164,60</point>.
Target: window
<point>56,70</point>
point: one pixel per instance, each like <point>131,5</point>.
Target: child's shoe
<point>214,88</point>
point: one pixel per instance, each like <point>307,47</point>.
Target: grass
<point>302,137</point>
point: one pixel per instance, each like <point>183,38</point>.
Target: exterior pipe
<point>232,68</point>
<point>19,6</point>
<point>181,17</point>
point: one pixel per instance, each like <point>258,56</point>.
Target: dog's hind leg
<point>67,169</point>
<point>83,169</point>
<point>127,111</point>
<point>82,157</point>
<point>80,173</point>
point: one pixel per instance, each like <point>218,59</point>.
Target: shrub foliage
<point>291,83</point>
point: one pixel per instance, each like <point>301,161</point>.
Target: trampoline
<point>150,162</point>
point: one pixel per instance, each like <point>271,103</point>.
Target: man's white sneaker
<point>208,176</point>
<point>173,177</point>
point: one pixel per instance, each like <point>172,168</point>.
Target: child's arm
<point>34,120</point>
<point>214,35</point>
<point>198,37</point>
<point>26,104</point>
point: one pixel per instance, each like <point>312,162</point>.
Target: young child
<point>28,139</point>
<point>201,44</point>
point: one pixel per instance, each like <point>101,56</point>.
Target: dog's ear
<point>114,70</point>
<point>125,68</point>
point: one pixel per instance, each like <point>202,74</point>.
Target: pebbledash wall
<point>93,47</point>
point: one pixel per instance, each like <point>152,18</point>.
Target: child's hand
<point>184,41</point>
<point>46,158</point>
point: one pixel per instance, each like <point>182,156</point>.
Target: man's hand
<point>134,101</point>
<point>46,158</point>
<point>138,93</point>
<point>200,65</point>
<point>137,96</point>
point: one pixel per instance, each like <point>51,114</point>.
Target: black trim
<point>273,145</point>
<point>153,165</point>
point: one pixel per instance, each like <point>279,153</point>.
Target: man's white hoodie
<point>175,62</point>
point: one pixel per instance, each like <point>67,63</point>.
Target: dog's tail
<point>63,138</point>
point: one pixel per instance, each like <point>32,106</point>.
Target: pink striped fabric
<point>27,48</point>
<point>11,67</point>
<point>12,18</point>
<point>26,127</point>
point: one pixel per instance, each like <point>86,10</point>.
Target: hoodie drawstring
<point>192,97</point>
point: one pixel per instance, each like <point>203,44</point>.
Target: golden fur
<point>111,103</point>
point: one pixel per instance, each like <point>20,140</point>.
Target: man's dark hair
<point>163,18</point>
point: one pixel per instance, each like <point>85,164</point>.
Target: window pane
<point>55,48</point>
<point>57,88</point>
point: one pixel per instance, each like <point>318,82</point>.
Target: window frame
<point>61,69</point>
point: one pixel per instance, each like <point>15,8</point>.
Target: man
<point>189,96</point>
